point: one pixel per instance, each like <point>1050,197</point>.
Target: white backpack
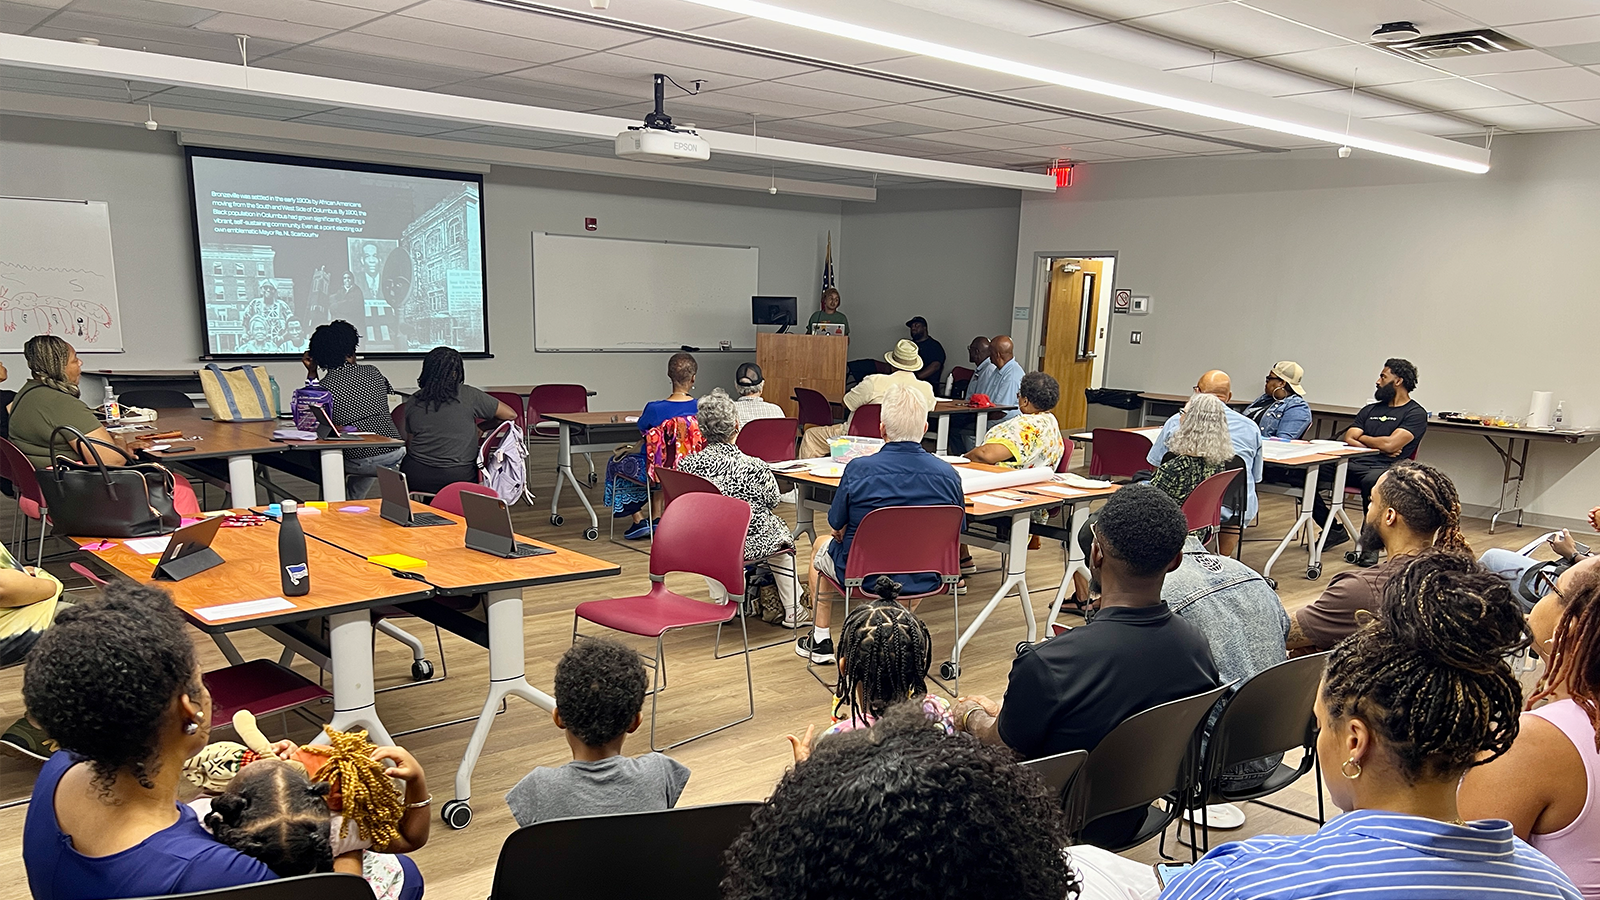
<point>505,468</point>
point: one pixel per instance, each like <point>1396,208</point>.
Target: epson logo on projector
<point>660,145</point>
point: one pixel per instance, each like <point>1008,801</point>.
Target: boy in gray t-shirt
<point>600,688</point>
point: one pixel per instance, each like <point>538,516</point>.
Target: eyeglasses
<point>1273,377</point>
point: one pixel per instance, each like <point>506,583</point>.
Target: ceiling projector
<point>658,140</point>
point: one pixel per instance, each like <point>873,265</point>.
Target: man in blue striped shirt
<point>1407,705</point>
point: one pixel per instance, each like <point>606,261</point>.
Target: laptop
<point>189,551</point>
<point>396,506</point>
<point>326,430</point>
<point>489,528</point>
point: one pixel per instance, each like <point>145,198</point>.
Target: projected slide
<point>286,245</point>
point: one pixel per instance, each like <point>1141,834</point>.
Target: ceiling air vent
<point>1449,46</point>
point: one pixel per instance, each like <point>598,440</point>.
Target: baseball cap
<point>748,375</point>
<point>1291,373</point>
<point>915,319</point>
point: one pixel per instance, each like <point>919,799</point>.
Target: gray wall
<point>943,254</point>
<point>1488,283</point>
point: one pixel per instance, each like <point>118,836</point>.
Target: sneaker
<point>1365,559</point>
<point>25,740</point>
<point>641,529</point>
<point>801,618</point>
<point>1336,536</point>
<point>819,652</point>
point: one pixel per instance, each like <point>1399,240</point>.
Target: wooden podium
<point>788,361</point>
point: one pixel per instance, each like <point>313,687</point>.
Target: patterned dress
<point>750,480</point>
<point>1034,440</point>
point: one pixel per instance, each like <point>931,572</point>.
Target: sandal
<point>968,567</point>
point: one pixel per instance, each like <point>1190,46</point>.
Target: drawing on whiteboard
<point>32,313</point>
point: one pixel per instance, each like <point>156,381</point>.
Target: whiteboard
<point>56,275</point>
<point>599,293</point>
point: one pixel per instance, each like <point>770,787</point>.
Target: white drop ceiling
<point>800,85</point>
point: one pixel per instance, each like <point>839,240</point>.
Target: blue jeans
<point>1513,567</point>
<point>360,474</point>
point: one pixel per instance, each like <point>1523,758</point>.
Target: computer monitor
<point>774,311</point>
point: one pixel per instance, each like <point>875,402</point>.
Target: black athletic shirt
<point>932,352</point>
<point>1382,420</point>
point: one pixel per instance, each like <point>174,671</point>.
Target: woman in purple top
<point>628,496</point>
<point>115,683</point>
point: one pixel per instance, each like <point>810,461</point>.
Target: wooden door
<point>1069,337</point>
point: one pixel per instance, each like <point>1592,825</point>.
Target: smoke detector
<point>1390,32</point>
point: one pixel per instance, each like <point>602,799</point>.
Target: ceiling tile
<point>1558,33</point>
<point>857,120</point>
<point>470,40</point>
<point>1356,19</point>
<point>636,86</point>
<point>744,107</point>
<point>773,36</point>
<point>1015,16</point>
<point>1362,104</point>
<point>511,90</point>
<point>182,42</point>
<point>1129,150</point>
<point>17,18</point>
<point>1072,127</point>
<point>1432,123</point>
<point>664,13</point>
<point>951,73</point>
<point>1533,117</point>
<point>302,12</point>
<point>1585,109</point>
<point>992,110</point>
<point>149,11</point>
<point>800,96</point>
<point>43,4</point>
<point>1172,119</point>
<point>975,141</point>
<point>1513,61</point>
<point>1081,101</point>
<point>921,114</point>
<point>335,63</point>
<point>1449,93</point>
<point>403,53</point>
<point>1238,29</point>
<point>864,86</point>
<point>1131,45</point>
<point>641,73</point>
<point>1339,64</point>
<point>524,23</point>
<point>1030,135</point>
<point>1127,9</point>
<point>1513,12</point>
<point>1173,142</point>
<point>708,59</point>
<point>1578,54</point>
<point>1548,85</point>
<point>1258,78</point>
<point>263,29</point>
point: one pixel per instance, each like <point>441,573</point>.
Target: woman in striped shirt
<point>1407,706</point>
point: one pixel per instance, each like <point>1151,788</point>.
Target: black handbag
<point>97,500</point>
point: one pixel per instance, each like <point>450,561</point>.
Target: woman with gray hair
<point>1199,447</point>
<point>749,479</point>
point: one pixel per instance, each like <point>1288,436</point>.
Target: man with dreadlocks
<point>441,423</point>
<point>1414,507</point>
<point>1548,783</point>
<point>1407,706</point>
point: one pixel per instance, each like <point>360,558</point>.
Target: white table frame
<point>1307,518</point>
<point>941,443</point>
<point>564,450</point>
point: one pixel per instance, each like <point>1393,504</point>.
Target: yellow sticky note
<point>398,561</point>
<point>317,504</point>
<point>155,560</point>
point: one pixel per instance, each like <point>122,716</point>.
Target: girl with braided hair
<point>884,652</point>
<point>1407,706</point>
<point>1548,784</point>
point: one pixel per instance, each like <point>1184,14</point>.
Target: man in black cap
<point>750,405</point>
<point>931,351</point>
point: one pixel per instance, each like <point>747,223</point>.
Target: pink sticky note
<point>353,509</point>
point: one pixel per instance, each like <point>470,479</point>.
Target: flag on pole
<point>828,280</point>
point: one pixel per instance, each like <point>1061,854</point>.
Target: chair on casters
<point>1265,716</point>
<point>321,886</point>
<point>702,534</point>
<point>1118,453</point>
<point>1146,764</point>
<point>771,440</point>
<point>865,421</point>
<point>556,398</point>
<point>675,484</point>
<point>814,408</point>
<point>156,398</point>
<point>905,540</point>
<point>676,852</point>
<point>1202,509</point>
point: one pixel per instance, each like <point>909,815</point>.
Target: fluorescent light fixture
<point>1094,74</point>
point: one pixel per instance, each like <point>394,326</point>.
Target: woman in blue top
<point>115,683</point>
<point>628,496</point>
<point>1407,706</point>
<point>1282,411</point>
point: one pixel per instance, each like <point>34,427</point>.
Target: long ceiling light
<point>1094,74</point>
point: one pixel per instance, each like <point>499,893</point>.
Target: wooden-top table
<point>602,432</point>
<point>239,443</point>
<point>942,410</point>
<point>1012,509</point>
<point>455,570</point>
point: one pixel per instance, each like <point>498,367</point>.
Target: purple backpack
<point>304,399</point>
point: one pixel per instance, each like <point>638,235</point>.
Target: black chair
<point>1268,715</point>
<point>674,852</point>
<point>156,398</point>
<point>324,886</point>
<point>1145,764</point>
<point>1058,770</point>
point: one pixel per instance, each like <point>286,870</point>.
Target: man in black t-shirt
<point>1393,426</point>
<point>1068,692</point>
<point>931,351</point>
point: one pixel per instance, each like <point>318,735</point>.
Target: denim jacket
<point>1287,418</point>
<point>1240,614</point>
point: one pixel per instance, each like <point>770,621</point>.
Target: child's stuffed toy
<point>359,789</point>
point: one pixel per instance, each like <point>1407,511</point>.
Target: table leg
<point>354,701</point>
<point>242,481</point>
<point>983,428</point>
<point>805,512</point>
<point>507,678</point>
<point>941,444</point>
<point>1509,458</point>
<point>1016,577</point>
<point>1075,561</point>
<point>564,471</point>
<point>1335,511</point>
<point>332,474</point>
<point>1314,558</point>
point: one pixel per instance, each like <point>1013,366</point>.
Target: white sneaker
<point>790,496</point>
<point>1220,816</point>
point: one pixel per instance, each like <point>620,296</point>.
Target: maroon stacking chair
<point>675,484</point>
<point>702,534</point>
<point>959,380</point>
<point>398,415</point>
<point>555,398</point>
<point>1202,509</point>
<point>898,540</point>
<point>1118,453</point>
<point>449,497</point>
<point>771,440</point>
<point>814,407</point>
<point>866,422</point>
<point>16,466</point>
<point>518,404</point>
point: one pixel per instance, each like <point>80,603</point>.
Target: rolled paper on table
<point>1542,411</point>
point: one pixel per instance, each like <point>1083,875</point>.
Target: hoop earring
<point>1345,769</point>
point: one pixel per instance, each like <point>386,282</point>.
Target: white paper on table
<point>975,481</point>
<point>1152,432</point>
<point>1279,451</point>
<point>150,546</point>
<point>1010,495</point>
<point>994,500</point>
<point>242,608</point>
<point>1059,490</point>
<point>1078,481</point>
